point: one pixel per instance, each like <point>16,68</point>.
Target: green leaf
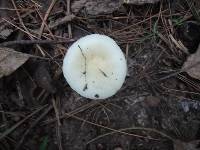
<point>43,145</point>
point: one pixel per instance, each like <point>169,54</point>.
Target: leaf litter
<point>10,61</point>
<point>150,105</point>
<point>191,60</point>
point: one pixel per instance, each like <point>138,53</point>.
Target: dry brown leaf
<point>96,7</point>
<point>10,60</point>
<point>192,60</point>
<point>104,6</point>
<point>92,7</point>
<point>140,2</point>
<point>179,145</point>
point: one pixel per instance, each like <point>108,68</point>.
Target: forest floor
<point>158,107</point>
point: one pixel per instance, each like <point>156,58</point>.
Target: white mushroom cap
<point>95,67</point>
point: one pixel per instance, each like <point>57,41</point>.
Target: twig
<point>46,16</point>
<point>58,123</point>
<point>56,111</point>
<point>32,126</point>
<point>47,27</point>
<point>50,32</point>
<point>20,19</point>
<point>132,128</point>
<point>177,72</point>
<point>36,3</point>
<point>111,129</point>
<point>180,91</point>
<point>131,26</point>
<point>58,134</point>
<point>31,56</point>
<point>11,9</point>
<point>73,112</point>
<point>4,134</point>
<point>27,31</point>
<point>189,82</point>
<point>61,21</point>
<point>18,28</point>
<point>69,25</point>
<point>28,42</point>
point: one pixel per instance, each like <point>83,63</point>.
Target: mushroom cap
<point>95,66</point>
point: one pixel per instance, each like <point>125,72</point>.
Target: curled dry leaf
<point>96,7</point>
<point>92,7</point>
<point>193,60</point>
<point>140,2</point>
<point>10,60</point>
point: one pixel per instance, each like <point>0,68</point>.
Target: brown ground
<point>158,107</point>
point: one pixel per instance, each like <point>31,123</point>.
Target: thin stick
<point>35,3</point>
<point>73,112</point>
<point>131,26</point>
<point>18,28</point>
<point>47,27</point>
<point>4,134</point>
<point>58,123</point>
<point>27,31</point>
<point>177,72</point>
<point>69,25</point>
<point>46,16</point>
<point>20,19</point>
<point>32,126</point>
<point>62,21</point>
<point>29,42</point>
<point>56,111</point>
<point>132,128</point>
<point>12,9</point>
<point>111,129</point>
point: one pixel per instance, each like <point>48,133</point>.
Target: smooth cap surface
<point>95,67</point>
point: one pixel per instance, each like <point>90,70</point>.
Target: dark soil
<point>156,107</point>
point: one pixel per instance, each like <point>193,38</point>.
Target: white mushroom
<point>95,67</point>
